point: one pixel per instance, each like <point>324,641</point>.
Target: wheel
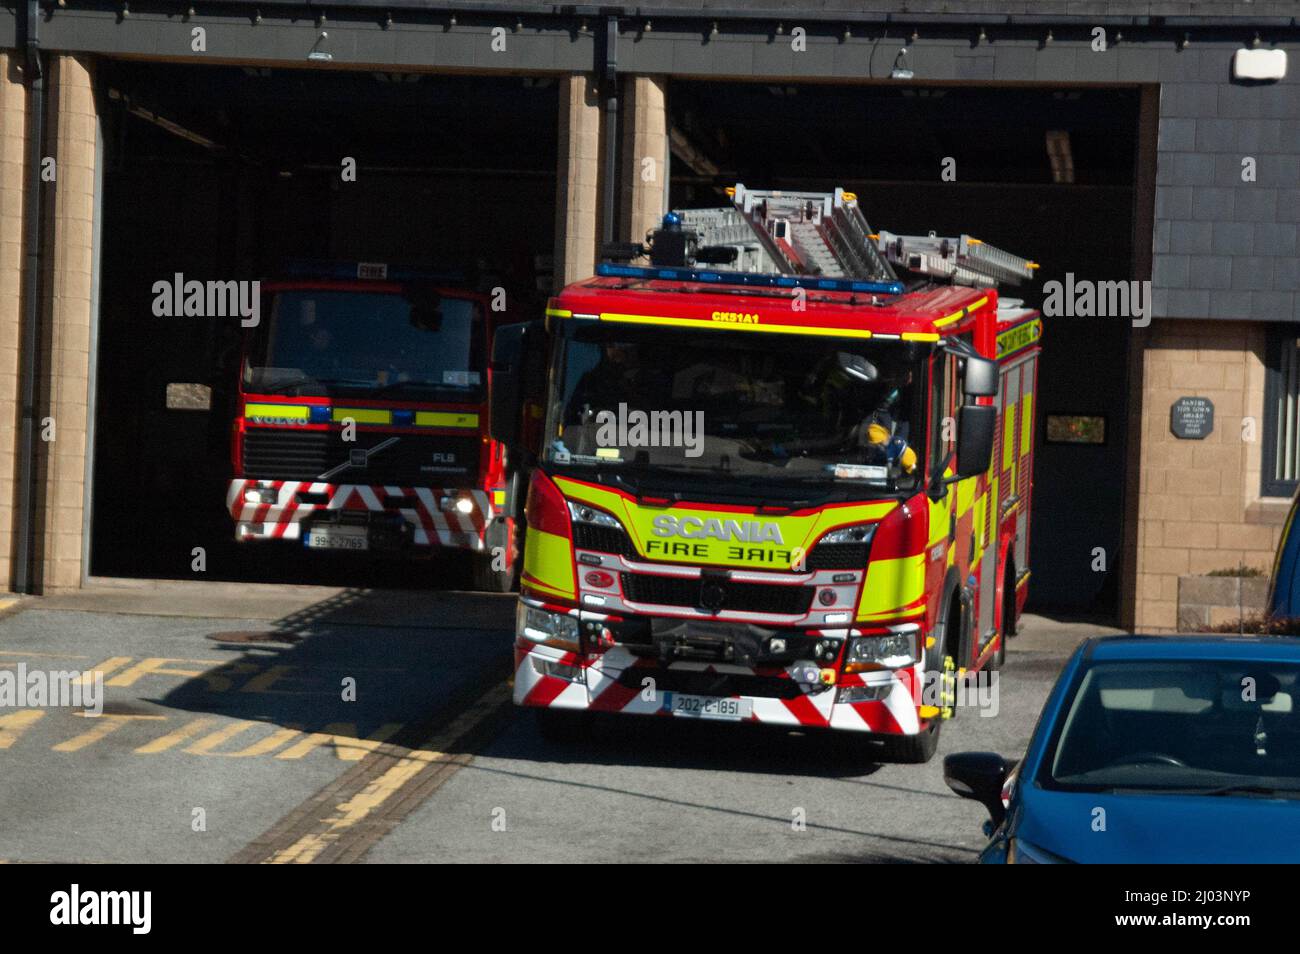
<point>915,749</point>
<point>562,726</point>
<point>485,577</point>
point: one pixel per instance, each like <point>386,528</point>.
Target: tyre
<point>915,749</point>
<point>485,577</point>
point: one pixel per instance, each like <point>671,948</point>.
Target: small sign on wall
<point>1192,418</point>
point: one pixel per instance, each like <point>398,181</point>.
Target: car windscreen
<point>1195,726</point>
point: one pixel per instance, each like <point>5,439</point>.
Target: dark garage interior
<point>229,172</point>
<point>1048,174</point>
<point>221,172</point>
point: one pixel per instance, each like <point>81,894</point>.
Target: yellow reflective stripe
<point>735,326</point>
<point>282,412</point>
<point>445,419</point>
<point>363,415</point>
<point>1026,422</point>
<point>966,495</point>
<point>548,560</point>
<point>1008,437</point>
<point>892,586</point>
<point>558,313</point>
<point>957,315</point>
<point>498,497</point>
<point>920,336</point>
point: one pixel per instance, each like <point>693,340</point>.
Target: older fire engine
<point>360,423</point>
<point>793,492</point>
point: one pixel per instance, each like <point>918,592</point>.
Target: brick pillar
<point>65,362</point>
<point>577,195</point>
<point>643,198</point>
<point>13,153</point>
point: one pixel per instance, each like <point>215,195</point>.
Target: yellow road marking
<point>14,652</point>
<point>349,814</point>
<point>160,666</point>
<point>104,725</point>
<point>306,849</point>
<point>343,736</point>
<point>173,738</point>
<point>110,664</point>
<point>16,723</point>
<point>261,747</point>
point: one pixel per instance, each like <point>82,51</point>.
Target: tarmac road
<point>306,724</point>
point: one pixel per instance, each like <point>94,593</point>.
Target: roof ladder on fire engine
<point>963,260</point>
<point>812,233</point>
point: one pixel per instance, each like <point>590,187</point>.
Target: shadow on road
<point>381,665</point>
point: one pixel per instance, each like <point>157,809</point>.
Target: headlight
<point>1021,852</point>
<point>861,533</point>
<point>888,651</point>
<point>584,514</point>
<point>550,629</point>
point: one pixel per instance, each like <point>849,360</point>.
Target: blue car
<point>1152,749</point>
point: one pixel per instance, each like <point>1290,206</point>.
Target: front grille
<point>699,683</point>
<point>413,460</point>
<point>739,597</point>
<point>839,556</point>
<point>591,536</point>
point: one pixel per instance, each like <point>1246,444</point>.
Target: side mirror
<point>980,378</point>
<point>979,776</point>
<point>510,343</point>
<point>975,428</point>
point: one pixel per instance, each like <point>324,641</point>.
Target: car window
<point>1194,725</point>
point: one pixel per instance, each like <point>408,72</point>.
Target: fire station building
<point>1113,141</point>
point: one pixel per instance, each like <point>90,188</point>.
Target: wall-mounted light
<point>901,71</point>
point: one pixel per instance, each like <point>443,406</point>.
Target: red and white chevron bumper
<point>883,702</point>
<point>277,509</point>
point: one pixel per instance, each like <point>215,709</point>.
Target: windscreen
<point>776,408</point>
<point>1182,726</point>
<point>330,341</point>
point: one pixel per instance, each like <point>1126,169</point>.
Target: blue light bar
<point>368,271</point>
<point>812,282</point>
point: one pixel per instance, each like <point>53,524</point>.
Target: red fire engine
<point>794,491</point>
<point>361,420</point>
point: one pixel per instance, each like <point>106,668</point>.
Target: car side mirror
<point>976,425</point>
<point>979,776</point>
